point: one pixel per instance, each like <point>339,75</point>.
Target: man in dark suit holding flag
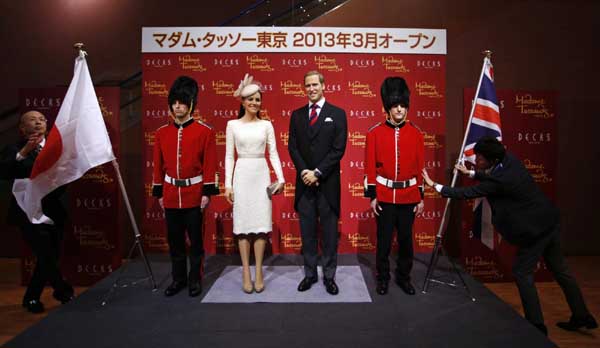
<point>525,217</point>
<point>317,142</point>
<point>44,239</point>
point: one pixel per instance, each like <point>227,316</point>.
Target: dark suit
<point>319,146</point>
<point>44,240</point>
<point>525,217</point>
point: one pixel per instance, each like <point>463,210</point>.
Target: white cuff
<point>19,157</point>
<point>439,187</point>
<point>471,174</point>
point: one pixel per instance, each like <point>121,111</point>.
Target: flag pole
<point>443,224</point>
<point>137,242</point>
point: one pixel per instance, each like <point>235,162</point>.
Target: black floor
<point>136,316</point>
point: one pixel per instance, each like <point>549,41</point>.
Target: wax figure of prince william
<point>317,142</point>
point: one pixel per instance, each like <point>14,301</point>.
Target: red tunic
<point>183,152</point>
<point>395,153</point>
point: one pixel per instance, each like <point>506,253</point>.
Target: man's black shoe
<point>65,295</point>
<point>406,286</point>
<point>331,286</point>
<point>33,306</point>
<point>174,288</point>
<point>576,323</point>
<point>195,289</point>
<point>382,287</point>
<point>306,283</point>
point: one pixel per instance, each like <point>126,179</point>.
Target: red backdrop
<point>352,82</point>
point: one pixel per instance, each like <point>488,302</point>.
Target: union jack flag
<point>485,121</point>
<point>486,113</point>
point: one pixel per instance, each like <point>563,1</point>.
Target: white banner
<point>293,39</point>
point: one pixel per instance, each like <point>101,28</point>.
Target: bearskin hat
<point>184,90</point>
<point>394,91</point>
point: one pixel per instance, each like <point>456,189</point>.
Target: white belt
<point>183,182</point>
<point>396,184</point>
<point>251,155</point>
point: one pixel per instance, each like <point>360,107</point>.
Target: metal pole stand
<point>435,255</point>
<point>438,249</point>
<point>136,244</point>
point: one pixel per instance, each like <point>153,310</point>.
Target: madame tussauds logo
<point>361,89</point>
<point>362,63</point>
<point>156,88</point>
<point>149,138</point>
<point>357,139</point>
<point>534,138</point>
<point>288,240</point>
<point>534,107</point>
<point>537,171</point>
<point>431,141</point>
<point>225,243</point>
<point>256,62</point>
<point>356,189</point>
<point>43,102</point>
<point>394,64</point>
<point>158,62</point>
<point>327,64</point>
<point>362,114</point>
<point>88,236</point>
<point>429,114</point>
<point>424,239</point>
<point>427,90</point>
<point>359,241</point>
<point>223,88</point>
<point>284,137</point>
<point>289,87</point>
<point>220,138</point>
<point>226,62</point>
<point>289,190</point>
<point>294,63</point>
<point>188,62</point>
<point>98,175</point>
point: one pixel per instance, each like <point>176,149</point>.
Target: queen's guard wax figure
<point>393,182</point>
<point>184,178</point>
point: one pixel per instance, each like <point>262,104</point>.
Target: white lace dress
<point>249,177</point>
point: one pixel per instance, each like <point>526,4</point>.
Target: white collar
<point>321,102</point>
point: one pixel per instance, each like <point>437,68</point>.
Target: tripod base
<point>150,275</point>
<point>435,255</point>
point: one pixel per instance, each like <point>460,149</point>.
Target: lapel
<point>314,130</point>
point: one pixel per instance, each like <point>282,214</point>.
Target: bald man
<point>16,162</point>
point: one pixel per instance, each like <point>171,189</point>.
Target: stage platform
<point>136,316</point>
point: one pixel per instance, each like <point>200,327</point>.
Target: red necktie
<point>312,119</point>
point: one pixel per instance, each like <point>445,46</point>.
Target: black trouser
<point>524,268</point>
<point>44,241</point>
<point>178,222</point>
<point>401,217</point>
<point>313,207</point>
